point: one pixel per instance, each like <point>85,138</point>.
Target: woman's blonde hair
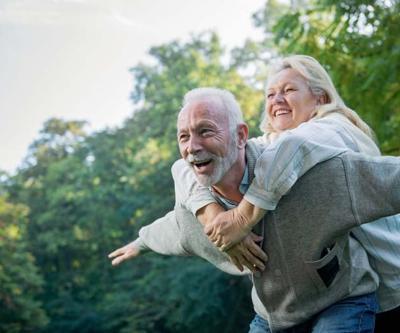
<point>321,85</point>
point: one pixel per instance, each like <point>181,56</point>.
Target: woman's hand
<point>230,227</point>
<point>227,229</point>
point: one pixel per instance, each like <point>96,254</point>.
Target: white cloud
<point>122,19</point>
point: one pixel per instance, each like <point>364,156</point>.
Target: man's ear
<point>323,99</point>
<point>243,135</point>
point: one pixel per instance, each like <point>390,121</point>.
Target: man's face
<point>205,141</point>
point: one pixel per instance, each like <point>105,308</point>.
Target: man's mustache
<point>200,157</point>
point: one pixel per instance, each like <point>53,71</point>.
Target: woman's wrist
<point>250,213</point>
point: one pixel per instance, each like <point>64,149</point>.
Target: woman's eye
<point>269,96</point>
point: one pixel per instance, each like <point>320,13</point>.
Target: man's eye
<point>183,137</point>
<point>289,90</point>
<point>205,131</point>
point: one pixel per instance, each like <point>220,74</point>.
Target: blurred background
<point>89,94</point>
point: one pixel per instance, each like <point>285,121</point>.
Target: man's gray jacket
<point>313,259</point>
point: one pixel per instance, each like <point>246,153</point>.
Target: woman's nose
<point>278,98</point>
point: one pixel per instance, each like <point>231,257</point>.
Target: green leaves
<point>20,281</point>
<point>358,42</point>
<point>79,196</point>
<point>89,194</point>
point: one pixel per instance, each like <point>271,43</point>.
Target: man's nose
<point>194,145</point>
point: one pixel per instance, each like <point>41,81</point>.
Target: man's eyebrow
<point>207,122</point>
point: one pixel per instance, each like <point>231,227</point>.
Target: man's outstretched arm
<point>162,236</point>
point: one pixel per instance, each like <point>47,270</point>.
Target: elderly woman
<point>303,112</point>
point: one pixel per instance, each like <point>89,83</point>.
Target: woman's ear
<point>243,135</point>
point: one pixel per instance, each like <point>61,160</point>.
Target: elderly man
<point>317,276</point>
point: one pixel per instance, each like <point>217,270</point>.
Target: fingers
<point>124,253</point>
<point>252,244</point>
<point>208,229</point>
<point>253,261</point>
<point>237,263</point>
<point>255,250</point>
<point>218,242</point>
<point>117,252</point>
<point>213,235</point>
<point>130,253</point>
<point>119,259</point>
<point>119,255</point>
<point>252,267</point>
<point>241,256</point>
<point>225,247</point>
<point>224,231</point>
<point>259,253</point>
<point>256,237</point>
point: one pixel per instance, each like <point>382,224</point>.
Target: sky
<point>70,58</point>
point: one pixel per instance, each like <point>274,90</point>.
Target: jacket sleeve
<point>163,236</point>
<point>374,185</point>
<point>285,160</point>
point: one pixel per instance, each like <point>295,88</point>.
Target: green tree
<point>151,140</point>
<point>20,281</point>
<point>88,194</point>
<point>358,42</point>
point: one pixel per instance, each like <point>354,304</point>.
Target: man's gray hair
<point>220,96</point>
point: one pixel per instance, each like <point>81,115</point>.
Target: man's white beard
<point>221,164</point>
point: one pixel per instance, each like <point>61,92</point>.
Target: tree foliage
<point>20,281</point>
<point>358,42</point>
<point>78,196</point>
<point>89,194</point>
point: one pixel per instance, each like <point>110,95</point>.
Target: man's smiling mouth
<point>199,164</point>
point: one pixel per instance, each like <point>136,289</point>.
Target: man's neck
<point>228,187</point>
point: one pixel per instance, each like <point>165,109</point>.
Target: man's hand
<point>230,227</point>
<point>128,251</point>
<point>249,254</point>
<point>207,213</point>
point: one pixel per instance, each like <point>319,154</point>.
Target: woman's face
<point>290,101</point>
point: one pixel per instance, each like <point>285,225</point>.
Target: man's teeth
<point>281,112</point>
